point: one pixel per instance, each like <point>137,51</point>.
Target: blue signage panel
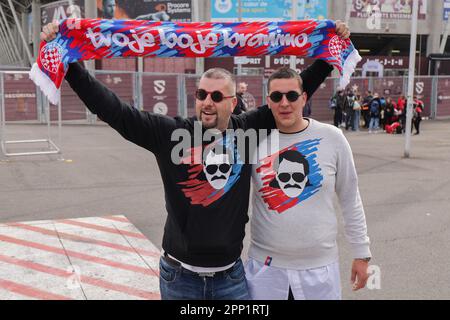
<point>446,9</point>
<point>275,10</point>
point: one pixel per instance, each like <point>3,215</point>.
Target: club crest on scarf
<point>335,46</point>
<point>290,176</point>
<point>51,55</point>
<point>215,176</point>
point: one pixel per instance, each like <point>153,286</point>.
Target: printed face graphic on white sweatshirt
<point>291,173</point>
<point>290,176</point>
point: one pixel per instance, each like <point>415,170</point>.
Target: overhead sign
<point>388,62</point>
<point>153,10</point>
<point>387,9</point>
<point>446,9</point>
<point>275,10</point>
<point>372,66</point>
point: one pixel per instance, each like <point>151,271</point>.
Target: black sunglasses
<point>277,96</point>
<point>216,96</point>
<point>212,168</point>
<point>285,177</point>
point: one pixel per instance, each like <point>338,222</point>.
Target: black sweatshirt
<point>205,227</point>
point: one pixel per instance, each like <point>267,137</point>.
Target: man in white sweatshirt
<point>293,252</point>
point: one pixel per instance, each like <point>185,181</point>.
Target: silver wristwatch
<point>364,259</point>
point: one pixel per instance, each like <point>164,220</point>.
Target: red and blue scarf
<point>85,39</point>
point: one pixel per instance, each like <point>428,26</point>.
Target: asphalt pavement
<point>406,200</point>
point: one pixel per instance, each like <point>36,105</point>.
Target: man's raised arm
<point>145,129</point>
<point>313,77</point>
<point>315,74</point>
<point>142,128</point>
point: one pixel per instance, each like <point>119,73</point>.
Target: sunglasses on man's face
<point>277,96</point>
<point>216,96</point>
<point>286,177</point>
<point>212,168</point>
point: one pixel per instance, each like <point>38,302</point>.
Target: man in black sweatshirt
<point>207,200</point>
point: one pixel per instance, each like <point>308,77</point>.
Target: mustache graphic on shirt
<point>218,177</point>
<point>296,186</point>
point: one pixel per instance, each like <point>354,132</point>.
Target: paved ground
<point>82,259</point>
<point>407,201</point>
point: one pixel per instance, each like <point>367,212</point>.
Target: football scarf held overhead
<point>85,39</point>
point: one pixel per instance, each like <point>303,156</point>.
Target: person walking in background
<point>382,112</point>
<point>341,105</point>
<point>389,112</point>
<point>356,112</point>
<point>241,105</point>
<point>349,113</point>
<point>374,110</point>
<point>365,108</point>
<point>401,106</point>
<point>307,110</point>
<point>417,114</point>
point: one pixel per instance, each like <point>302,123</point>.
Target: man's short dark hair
<point>292,156</point>
<point>221,73</point>
<point>285,73</point>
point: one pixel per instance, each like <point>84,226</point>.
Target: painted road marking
<point>101,228</point>
<point>29,291</point>
<point>117,219</point>
<point>77,238</point>
<point>87,258</point>
<point>83,279</point>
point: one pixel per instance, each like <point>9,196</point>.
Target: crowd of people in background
<point>353,111</point>
<point>374,112</point>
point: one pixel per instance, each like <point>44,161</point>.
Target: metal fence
<point>18,102</point>
<point>173,94</point>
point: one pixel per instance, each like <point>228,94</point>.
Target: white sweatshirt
<point>294,222</point>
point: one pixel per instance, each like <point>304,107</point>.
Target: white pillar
<point>90,11</point>
<point>293,59</point>
<point>239,70</point>
<point>196,16</point>
<point>411,74</point>
<point>36,20</point>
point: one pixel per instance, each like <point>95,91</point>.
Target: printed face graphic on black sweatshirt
<point>217,169</point>
<point>218,173</point>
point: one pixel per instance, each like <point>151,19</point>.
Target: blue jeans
<point>374,123</point>
<point>356,118</point>
<point>177,283</point>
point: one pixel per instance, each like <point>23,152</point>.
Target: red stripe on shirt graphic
<point>214,177</point>
<point>290,176</point>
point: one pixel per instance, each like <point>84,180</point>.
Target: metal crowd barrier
<point>52,147</point>
<point>173,95</point>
